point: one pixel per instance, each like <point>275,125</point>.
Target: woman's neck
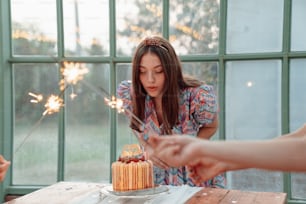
<point>158,109</point>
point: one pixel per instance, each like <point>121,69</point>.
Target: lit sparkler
<point>73,73</point>
<point>53,105</point>
<point>37,98</point>
<point>113,102</point>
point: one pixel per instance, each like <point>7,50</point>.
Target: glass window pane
<point>86,26</point>
<point>34,27</point>
<point>124,133</point>
<point>297,116</point>
<point>253,111</point>
<point>88,128</point>
<point>298,32</point>
<point>204,71</point>
<point>194,26</point>
<point>136,20</point>
<point>33,132</point>
<point>298,185</point>
<point>254,26</point>
<point>297,99</point>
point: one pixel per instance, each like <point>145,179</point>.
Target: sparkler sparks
<point>115,103</point>
<point>53,105</point>
<point>72,73</point>
<point>37,98</point>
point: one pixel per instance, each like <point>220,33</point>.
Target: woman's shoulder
<point>198,91</point>
<point>125,83</point>
<point>203,103</point>
<point>124,89</point>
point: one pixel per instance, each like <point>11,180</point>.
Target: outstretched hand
<point>156,160</point>
<point>176,151</point>
<point>188,151</point>
<point>149,151</point>
<point>206,168</point>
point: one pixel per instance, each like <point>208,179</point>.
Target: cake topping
<point>131,152</point>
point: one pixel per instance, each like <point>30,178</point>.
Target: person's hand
<point>4,165</point>
<point>149,152</point>
<point>156,161</point>
<point>203,169</point>
<point>174,150</point>
<point>206,168</point>
<point>188,151</point>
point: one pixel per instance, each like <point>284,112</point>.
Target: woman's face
<point>152,76</point>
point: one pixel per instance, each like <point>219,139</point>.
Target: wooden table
<point>225,196</point>
<point>77,193</point>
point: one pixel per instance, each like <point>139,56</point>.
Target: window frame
<point>6,82</point>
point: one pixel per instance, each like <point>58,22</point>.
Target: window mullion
<point>285,96</point>
<point>62,113</point>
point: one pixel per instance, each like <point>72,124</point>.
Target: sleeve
<point>124,93</point>
<point>204,105</point>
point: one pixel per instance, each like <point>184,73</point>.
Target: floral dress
<point>198,107</point>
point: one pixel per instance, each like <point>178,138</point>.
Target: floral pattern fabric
<point>198,107</point>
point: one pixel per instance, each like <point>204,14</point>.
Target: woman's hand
<point>4,165</point>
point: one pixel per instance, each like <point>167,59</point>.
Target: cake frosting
<point>132,171</point>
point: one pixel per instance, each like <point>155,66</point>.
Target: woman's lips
<point>152,88</point>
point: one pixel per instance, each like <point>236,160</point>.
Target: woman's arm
<point>208,130</point>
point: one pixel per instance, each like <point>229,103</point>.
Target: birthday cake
<point>132,171</point>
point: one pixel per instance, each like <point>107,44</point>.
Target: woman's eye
<point>159,71</point>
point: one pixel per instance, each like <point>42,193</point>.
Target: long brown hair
<point>174,81</point>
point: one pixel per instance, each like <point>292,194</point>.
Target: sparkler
<point>53,105</point>
<point>29,134</point>
<point>112,101</point>
<point>118,104</point>
<point>72,74</point>
<point>37,98</point>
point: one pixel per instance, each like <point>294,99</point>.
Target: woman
<point>208,158</point>
<point>167,103</point>
<point>4,165</point>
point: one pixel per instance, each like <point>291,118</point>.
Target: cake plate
<point>108,190</point>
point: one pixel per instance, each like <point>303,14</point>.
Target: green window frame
<point>223,58</point>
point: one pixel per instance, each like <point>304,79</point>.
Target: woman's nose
<point>151,77</point>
